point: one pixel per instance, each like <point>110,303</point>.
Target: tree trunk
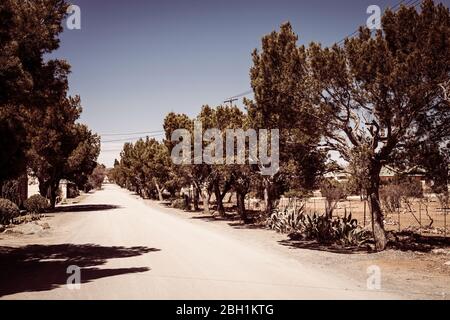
<point>196,197</point>
<point>268,197</point>
<point>328,211</point>
<point>219,200</point>
<point>53,193</point>
<point>241,206</point>
<point>43,188</point>
<point>379,233</point>
<point>206,197</point>
<point>47,190</point>
<point>160,195</point>
<point>187,202</point>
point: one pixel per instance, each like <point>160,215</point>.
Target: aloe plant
<point>321,228</point>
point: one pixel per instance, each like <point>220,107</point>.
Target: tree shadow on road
<point>44,267</point>
<point>400,241</point>
<point>85,208</point>
<point>214,217</point>
<point>412,241</point>
<point>313,245</point>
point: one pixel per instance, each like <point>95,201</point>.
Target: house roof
<point>388,171</point>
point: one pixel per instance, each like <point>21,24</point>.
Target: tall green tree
<point>96,179</point>
<point>144,168</point>
<point>82,162</point>
<point>28,31</point>
<point>187,175</point>
<point>227,177</point>
<point>60,147</point>
<point>13,145</point>
<point>382,93</point>
<point>279,78</point>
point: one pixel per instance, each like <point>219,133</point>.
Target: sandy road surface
<point>128,250</point>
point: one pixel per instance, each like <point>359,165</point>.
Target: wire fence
<point>425,216</point>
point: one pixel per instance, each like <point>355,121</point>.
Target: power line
<point>243,94</point>
<point>395,7</point>
<point>414,3</point>
<point>342,41</point>
<point>130,133</point>
<point>132,139</point>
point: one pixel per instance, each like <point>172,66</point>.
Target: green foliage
<point>180,204</point>
<point>359,171</point>
<point>399,191</point>
<point>28,31</point>
<point>36,204</point>
<point>434,158</point>
<point>82,161</point>
<point>50,159</point>
<point>279,78</point>
<point>333,191</point>
<point>97,178</point>
<point>390,197</point>
<point>297,193</point>
<point>12,145</point>
<point>321,228</point>
<point>38,126</point>
<point>374,101</point>
<point>11,190</point>
<point>380,94</point>
<point>145,167</point>
<point>348,233</point>
<point>8,211</point>
<point>288,221</point>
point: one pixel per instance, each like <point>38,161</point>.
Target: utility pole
<point>230,101</point>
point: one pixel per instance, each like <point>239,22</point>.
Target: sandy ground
<point>128,248</point>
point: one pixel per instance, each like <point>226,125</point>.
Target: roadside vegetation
<point>375,101</point>
<point>40,135</point>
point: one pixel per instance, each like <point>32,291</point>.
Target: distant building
<point>339,176</point>
<point>68,189</point>
<point>416,174</point>
<point>388,173</point>
<point>33,186</point>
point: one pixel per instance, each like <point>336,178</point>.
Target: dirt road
<point>128,250</point>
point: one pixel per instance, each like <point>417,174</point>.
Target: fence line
<point>424,216</point>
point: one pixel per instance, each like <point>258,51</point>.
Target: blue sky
<point>134,61</point>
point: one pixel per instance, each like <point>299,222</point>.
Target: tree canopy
<point>38,120</point>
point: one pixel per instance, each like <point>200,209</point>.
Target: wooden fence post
<point>445,222</point>
<point>420,218</point>
<point>365,204</point>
